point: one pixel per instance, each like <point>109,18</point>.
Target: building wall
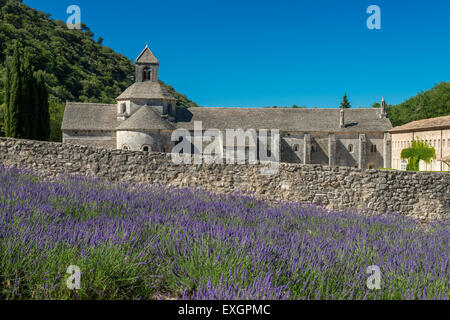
<point>439,139</point>
<point>135,140</point>
<point>292,147</point>
<point>104,139</point>
<point>420,195</point>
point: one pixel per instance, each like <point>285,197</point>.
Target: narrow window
<point>145,148</point>
<point>296,147</point>
<point>123,108</point>
<point>350,148</point>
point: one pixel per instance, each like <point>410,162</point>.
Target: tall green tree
<point>13,123</point>
<point>42,109</point>
<point>345,104</point>
<point>26,101</point>
<point>28,110</point>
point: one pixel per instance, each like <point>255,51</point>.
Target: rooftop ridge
<point>91,103</point>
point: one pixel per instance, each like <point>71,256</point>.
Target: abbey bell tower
<point>146,66</point>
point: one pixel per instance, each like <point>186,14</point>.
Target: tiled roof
<point>146,56</point>
<point>146,90</point>
<point>90,116</point>
<point>86,116</point>
<point>146,118</point>
<point>285,119</point>
<point>422,125</point>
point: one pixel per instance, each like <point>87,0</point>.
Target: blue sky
<point>264,53</point>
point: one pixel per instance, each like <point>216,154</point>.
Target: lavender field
<point>149,242</point>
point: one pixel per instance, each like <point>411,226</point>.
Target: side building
<point>146,115</point>
<point>435,132</point>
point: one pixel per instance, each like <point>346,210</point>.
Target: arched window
<point>350,148</point>
<point>125,147</point>
<point>146,148</point>
<point>373,148</point>
<point>296,147</point>
<point>147,73</point>
<point>313,148</point>
<point>123,108</point>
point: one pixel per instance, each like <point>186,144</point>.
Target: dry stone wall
<point>422,195</point>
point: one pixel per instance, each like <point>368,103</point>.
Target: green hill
<point>429,104</point>
<point>77,68</point>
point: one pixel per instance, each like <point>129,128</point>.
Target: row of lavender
<point>152,242</point>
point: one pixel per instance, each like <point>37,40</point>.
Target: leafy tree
<point>419,150</point>
<point>345,104</point>
<point>429,104</point>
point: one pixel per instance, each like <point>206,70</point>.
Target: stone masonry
<point>421,195</point>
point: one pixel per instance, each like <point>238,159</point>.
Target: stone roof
<point>147,56</point>
<point>424,125</point>
<point>90,116</point>
<point>147,90</point>
<point>146,118</point>
<point>285,119</point>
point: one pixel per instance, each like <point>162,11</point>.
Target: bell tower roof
<point>146,57</point>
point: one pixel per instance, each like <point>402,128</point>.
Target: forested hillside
<point>76,67</point>
<point>429,104</point>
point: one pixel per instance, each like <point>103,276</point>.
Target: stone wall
<point>421,195</point>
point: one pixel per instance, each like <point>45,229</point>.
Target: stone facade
<point>435,132</point>
<point>421,195</point>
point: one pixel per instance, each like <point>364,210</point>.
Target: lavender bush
<point>150,242</point>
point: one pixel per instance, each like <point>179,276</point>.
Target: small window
<point>313,148</point>
<point>373,148</point>
<point>125,147</point>
<point>145,148</point>
<point>123,108</point>
<point>165,148</point>
<point>296,147</point>
<point>350,148</point>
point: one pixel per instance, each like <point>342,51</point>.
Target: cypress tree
<point>27,113</point>
<point>43,114</point>
<point>28,105</point>
<point>7,81</point>
<point>345,104</point>
<point>15,125</point>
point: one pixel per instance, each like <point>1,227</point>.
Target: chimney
<point>383,109</point>
<point>341,118</point>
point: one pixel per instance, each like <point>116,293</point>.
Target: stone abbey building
<point>146,115</point>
